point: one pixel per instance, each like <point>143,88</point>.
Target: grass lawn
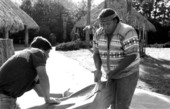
<point>154,68</point>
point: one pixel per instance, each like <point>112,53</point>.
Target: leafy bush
<point>164,45</point>
<point>73,45</point>
<point>156,45</point>
<point>167,45</point>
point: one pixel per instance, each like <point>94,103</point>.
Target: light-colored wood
<point>6,33</point>
<point>6,49</point>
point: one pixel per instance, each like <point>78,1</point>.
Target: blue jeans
<point>7,102</point>
<point>122,91</point>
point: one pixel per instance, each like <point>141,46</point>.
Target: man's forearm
<point>97,61</point>
<point>44,83</point>
<point>124,64</point>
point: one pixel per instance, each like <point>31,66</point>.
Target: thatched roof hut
<point>94,13</point>
<point>130,15</point>
<point>9,20</point>
<point>27,20</point>
<point>134,18</point>
<point>14,19</point>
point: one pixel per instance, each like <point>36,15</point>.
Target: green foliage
<point>48,15</point>
<point>158,13</point>
<point>73,45</point>
<point>81,10</point>
<point>161,13</point>
<point>162,45</point>
<point>157,10</point>
<point>27,7</point>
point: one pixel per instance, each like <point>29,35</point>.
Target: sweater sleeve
<point>131,42</point>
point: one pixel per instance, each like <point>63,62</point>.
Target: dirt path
<point>67,73</point>
<point>154,68</point>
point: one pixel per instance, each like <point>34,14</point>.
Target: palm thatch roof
<point>131,17</point>
<point>13,18</point>
<point>94,13</point>
<point>27,20</point>
<point>9,19</point>
<point>134,18</point>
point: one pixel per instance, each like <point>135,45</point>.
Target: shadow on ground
<point>156,73</point>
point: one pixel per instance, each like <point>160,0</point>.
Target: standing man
<point>25,71</point>
<point>116,49</point>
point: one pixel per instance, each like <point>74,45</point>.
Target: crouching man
<point>24,71</point>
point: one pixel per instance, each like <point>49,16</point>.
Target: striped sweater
<point>124,41</point>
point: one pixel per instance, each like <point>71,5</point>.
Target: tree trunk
<point>143,42</point>
<point>65,18</point>
<point>88,19</point>
<point>105,4</point>
<point>129,6</point>
<point>6,49</point>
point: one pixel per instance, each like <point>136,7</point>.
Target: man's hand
<point>53,101</point>
<point>109,77</point>
<point>97,75</point>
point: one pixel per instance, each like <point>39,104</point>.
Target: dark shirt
<point>18,73</point>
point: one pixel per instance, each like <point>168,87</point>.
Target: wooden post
<point>140,42</point>
<point>143,41</point>
<point>65,18</point>
<point>88,20</point>
<point>146,38</point>
<point>6,49</point>
<point>26,36</point>
<point>6,33</point>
